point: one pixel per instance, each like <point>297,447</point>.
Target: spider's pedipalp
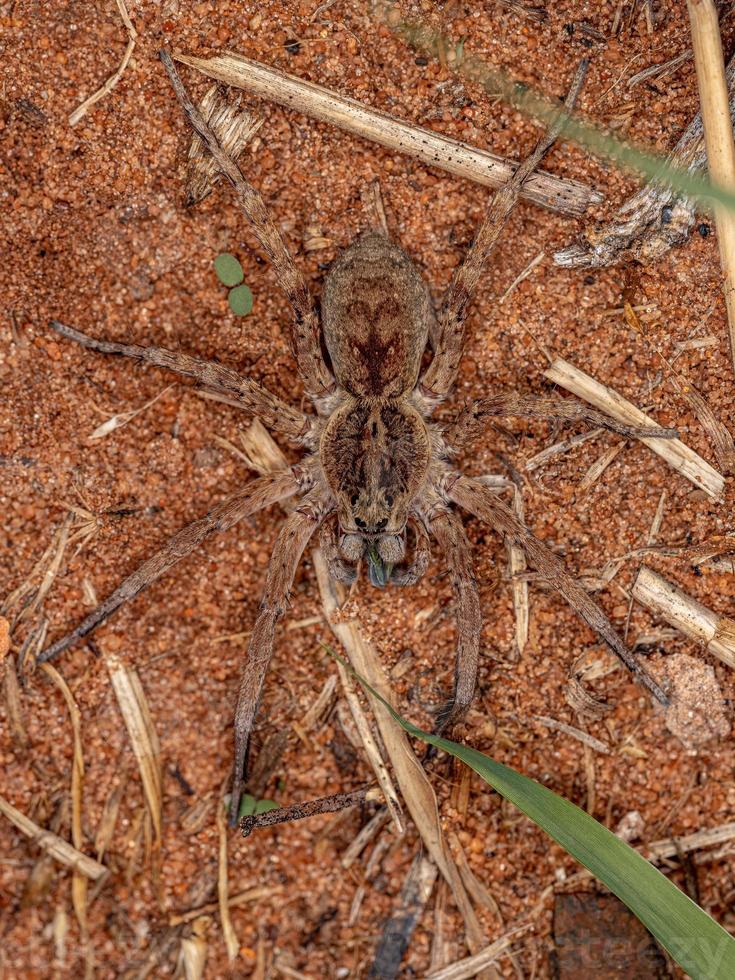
<point>340,570</point>
<point>415,570</point>
<point>255,496</point>
<point>287,552</point>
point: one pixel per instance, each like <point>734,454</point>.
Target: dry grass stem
<point>661,71</point>
<point>106,826</point>
<point>234,128</point>
<point>475,888</point>
<point>122,418</point>
<point>678,455</point>
<point>79,881</point>
<point>366,834</point>
<point>234,901</point>
<point>517,566</point>
<point>560,726</point>
<point>719,435</point>
<point>599,466</point>
<point>716,632</point>
<point>54,845</point>
<point>231,942</point>
<point>718,137</point>
<point>322,704</point>
<point>366,737</point>
<point>523,276</point>
<point>559,448</point>
<point>137,717</point>
<point>472,965</point>
<point>194,950</point>
<point>416,789</point>
<point>112,81</point>
<point>555,193</point>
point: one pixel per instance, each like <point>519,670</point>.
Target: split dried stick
<point>371,750</point>
<point>79,881</point>
<point>555,193</point>
<point>471,966</point>
<point>54,845</point>
<point>517,566</point>
<point>716,632</point>
<point>137,717</point>
<point>417,791</point>
<point>231,941</point>
<point>679,456</point>
<point>715,109</point>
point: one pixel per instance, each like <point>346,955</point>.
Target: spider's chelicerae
<point>375,463</point>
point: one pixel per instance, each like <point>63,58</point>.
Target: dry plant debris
<point>567,196</point>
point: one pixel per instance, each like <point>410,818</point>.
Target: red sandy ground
<point>98,236</point>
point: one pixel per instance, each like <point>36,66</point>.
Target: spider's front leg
<point>289,547</point>
<point>305,332</point>
<point>441,373</point>
<point>254,497</point>
<point>481,501</point>
<point>276,414</point>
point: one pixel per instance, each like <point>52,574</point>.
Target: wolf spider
<point>376,463</point>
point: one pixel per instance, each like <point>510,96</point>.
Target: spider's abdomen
<point>376,311</point>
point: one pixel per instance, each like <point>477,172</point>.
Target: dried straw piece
<point>54,845</point>
<point>371,828</point>
<point>137,717</point>
<point>719,434</point>
<point>234,901</point>
<point>599,466</point>
<point>716,632</point>
<point>234,128</point>
<point>554,193</point>
<point>718,138</point>
<point>231,942</point>
<point>106,826</point>
<point>584,737</point>
<point>679,456</point>
<point>371,749</point>
<point>517,566</point>
<point>471,966</point>
<point>194,950</point>
<point>79,882</point>
<point>112,81</point>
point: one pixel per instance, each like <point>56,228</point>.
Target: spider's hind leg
<point>448,530</point>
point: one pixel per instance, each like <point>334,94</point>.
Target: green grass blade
<point>699,944</point>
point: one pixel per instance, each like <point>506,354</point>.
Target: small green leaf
<point>228,269</point>
<point>248,804</point>
<point>241,300</point>
<point>263,806</point>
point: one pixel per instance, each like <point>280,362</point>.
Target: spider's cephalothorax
<point>375,447</point>
<point>376,465</point>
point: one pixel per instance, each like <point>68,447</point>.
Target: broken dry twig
<point>717,633</point>
<point>554,193</point>
<point>679,456</point>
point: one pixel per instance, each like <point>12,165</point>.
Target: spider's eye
<point>389,500</point>
<point>353,499</point>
